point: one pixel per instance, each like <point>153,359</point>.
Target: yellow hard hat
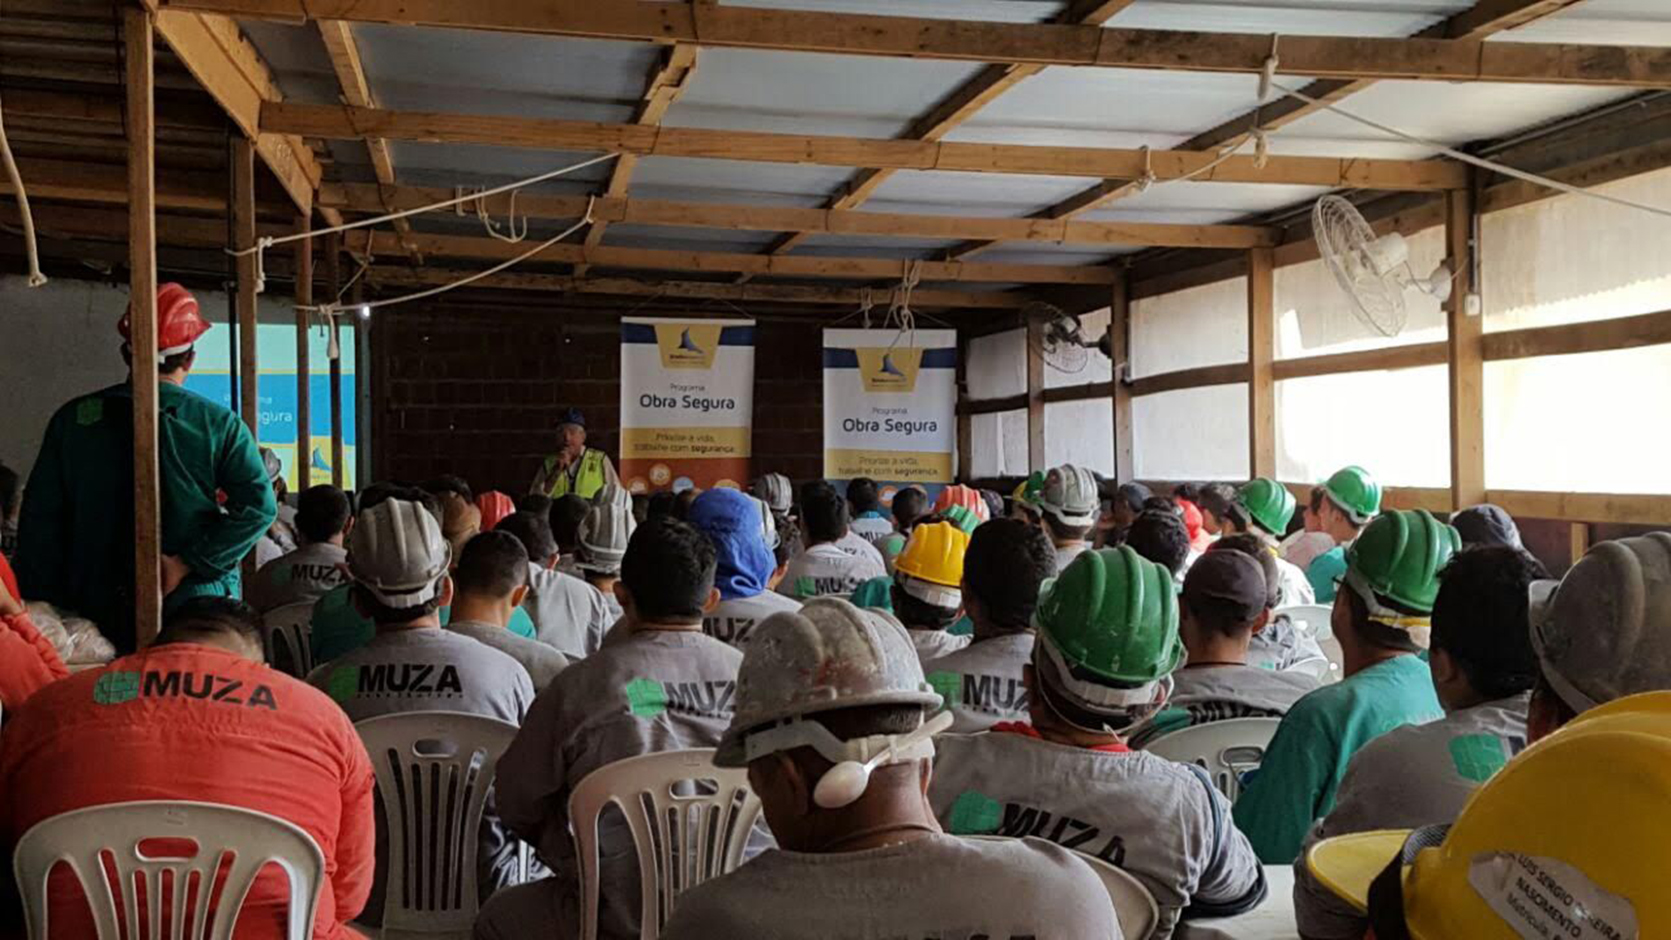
<point>1571,839</point>
<point>934,554</point>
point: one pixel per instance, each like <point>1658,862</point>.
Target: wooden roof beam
<point>709,24</point>
<point>381,243</point>
<point>349,123</point>
<point>371,198</point>
<point>344,53</point>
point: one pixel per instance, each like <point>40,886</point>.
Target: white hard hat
<point>776,490</point>
<point>1070,494</point>
<point>1604,631</point>
<point>270,462</point>
<point>828,655</point>
<point>612,494</point>
<point>604,534</point>
<point>768,523</point>
<point>397,553</point>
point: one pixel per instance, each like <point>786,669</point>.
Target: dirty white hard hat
<point>768,523</point>
<point>776,490</point>
<point>1070,494</point>
<point>1604,631</point>
<point>612,494</point>
<point>604,534</point>
<point>828,655</point>
<point>397,553</point>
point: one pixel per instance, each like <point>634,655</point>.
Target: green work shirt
<point>76,538</point>
<point>1324,571</point>
<point>1295,785</point>
<point>339,629</point>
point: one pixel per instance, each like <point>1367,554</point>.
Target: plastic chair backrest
<point>87,840</point>
<point>433,770</point>
<point>286,638</point>
<point>683,837</point>
<point>1224,749</point>
<point>1134,906</point>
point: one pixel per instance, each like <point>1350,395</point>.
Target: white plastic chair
<point>683,838</point>
<point>433,770</point>
<point>1134,907</point>
<point>87,839</point>
<point>289,627</point>
<point>1224,749</point>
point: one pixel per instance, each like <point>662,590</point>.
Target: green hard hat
<point>1112,616</point>
<point>1398,557</point>
<point>1027,493</point>
<point>1269,504</point>
<point>961,516</point>
<point>1355,492</point>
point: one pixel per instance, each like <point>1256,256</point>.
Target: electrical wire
<point>36,278</point>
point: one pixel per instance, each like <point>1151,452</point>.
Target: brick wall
<point>477,390</point>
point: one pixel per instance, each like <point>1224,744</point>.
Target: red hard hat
<point>960,495</point>
<point>494,506</point>
<point>179,323</point>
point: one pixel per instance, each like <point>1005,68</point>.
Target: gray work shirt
<point>1413,776</point>
<point>829,569</point>
<point>934,888</point>
<point>303,575</point>
<point>982,682</point>
<point>569,615</point>
<point>1205,694</point>
<point>857,545</point>
<point>1281,646</point>
<point>650,691</point>
<point>542,662</point>
<point>933,644</point>
<point>1161,821</point>
<point>732,621</point>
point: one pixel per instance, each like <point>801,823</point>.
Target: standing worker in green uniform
<point>575,468</point>
<point>75,537</point>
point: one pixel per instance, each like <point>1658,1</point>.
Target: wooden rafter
<point>694,290</point>
<point>710,24</point>
<point>347,123</point>
<point>954,109</point>
<point>454,246</point>
<point>1486,18</point>
<point>671,76</point>
<point>344,52</point>
<point>214,50</point>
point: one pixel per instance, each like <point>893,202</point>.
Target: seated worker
<point>862,855</point>
<point>865,504</point>
<point>1485,525</point>
<point>853,542</point>
<point>1195,527</point>
<point>602,542</point>
<point>1024,502</point>
<point>788,545</point>
<point>494,506</point>
<point>1007,562</point>
<point>1350,499</point>
<point>1263,508</point>
<point>1068,508</point>
<point>1281,645</point>
<point>1221,609</point>
<point>1107,641</point>
<point>28,660</point>
<point>398,560</point>
<point>1214,500</point>
<point>1123,507</point>
<point>567,513</point>
<point>775,490</point>
<point>1301,548</point>
<point>569,615</point>
<point>1571,839</point>
<point>826,567</point>
<point>196,716</point>
<point>1483,668</point>
<point>910,504</point>
<point>323,516</point>
<point>733,522</point>
<point>662,686</point>
<point>280,537</point>
<point>1393,576</point>
<point>1158,535</point>
<point>489,584</point>
<point>927,590</point>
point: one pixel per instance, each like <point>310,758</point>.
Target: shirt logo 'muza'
<point>114,688</point>
<point>410,679</point>
<point>648,698</point>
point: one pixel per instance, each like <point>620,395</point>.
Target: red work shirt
<point>191,722</point>
<point>28,661</point>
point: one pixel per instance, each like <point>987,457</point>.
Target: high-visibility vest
<point>587,482</point>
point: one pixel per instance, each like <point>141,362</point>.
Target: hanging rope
<point>30,248</point>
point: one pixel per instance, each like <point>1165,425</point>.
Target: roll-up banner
<point>687,403</point>
<point>890,400</point>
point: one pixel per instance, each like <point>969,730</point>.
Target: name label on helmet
<point>1545,898</point>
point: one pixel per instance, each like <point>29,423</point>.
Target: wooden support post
<point>1580,540</point>
<point>1467,363</point>
<point>1035,394</point>
<point>138,26</point>
<point>965,421</point>
<point>1261,352</point>
<point>1119,345</point>
<point>361,329</point>
<point>243,237</point>
<point>304,410</point>
<point>333,265</point>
